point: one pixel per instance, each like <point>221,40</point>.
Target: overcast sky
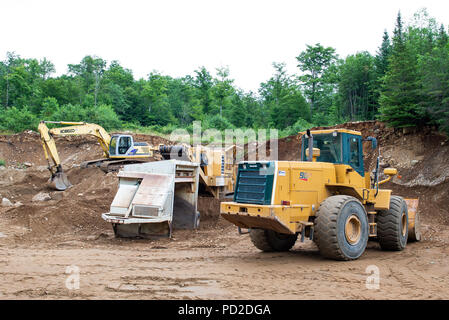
<point>176,37</point>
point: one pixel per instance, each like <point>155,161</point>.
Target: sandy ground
<point>216,263</point>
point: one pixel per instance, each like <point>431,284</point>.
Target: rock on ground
<point>6,202</point>
<point>41,196</point>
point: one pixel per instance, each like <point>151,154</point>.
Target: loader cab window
<point>329,144</point>
<point>354,152</point>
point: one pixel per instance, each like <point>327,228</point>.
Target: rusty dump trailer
<point>155,197</point>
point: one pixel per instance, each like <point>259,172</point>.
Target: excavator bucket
<point>59,181</point>
<point>414,225</point>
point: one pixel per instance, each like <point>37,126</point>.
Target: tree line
<point>404,84</point>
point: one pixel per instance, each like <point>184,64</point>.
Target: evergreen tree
<point>434,71</point>
<point>400,98</point>
<point>383,55</point>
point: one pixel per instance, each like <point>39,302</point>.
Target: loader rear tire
<point>341,228</point>
<point>269,240</point>
<point>392,225</point>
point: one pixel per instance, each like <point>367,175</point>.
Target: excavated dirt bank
<point>39,239</point>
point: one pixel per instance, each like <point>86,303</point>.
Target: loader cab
<point>120,145</point>
<point>338,147</point>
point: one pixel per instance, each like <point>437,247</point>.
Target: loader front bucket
<point>59,181</point>
<point>414,225</point>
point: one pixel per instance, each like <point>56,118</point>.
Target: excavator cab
<point>120,144</point>
<point>124,146</point>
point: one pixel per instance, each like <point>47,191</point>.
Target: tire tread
<point>326,227</point>
<point>388,228</point>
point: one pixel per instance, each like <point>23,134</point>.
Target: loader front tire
<point>341,227</point>
<point>269,240</point>
<point>392,225</point>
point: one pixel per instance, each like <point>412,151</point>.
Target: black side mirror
<point>309,136</point>
<point>307,133</point>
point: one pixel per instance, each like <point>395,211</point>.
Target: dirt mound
<point>209,207</point>
<point>76,210</point>
<point>26,147</point>
<point>289,148</point>
<point>150,139</point>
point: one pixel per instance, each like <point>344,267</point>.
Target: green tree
<point>222,91</point>
<point>156,99</point>
<point>89,74</point>
<point>383,55</point>
<point>434,72</point>
<point>318,76</point>
<point>50,106</point>
<point>117,89</point>
<point>357,87</point>
<point>245,110</point>
<point>401,98</point>
<point>7,68</point>
<point>203,83</point>
<point>283,99</point>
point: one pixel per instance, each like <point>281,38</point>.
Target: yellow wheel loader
<point>326,197</point>
<point>117,149</point>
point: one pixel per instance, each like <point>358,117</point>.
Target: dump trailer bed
<point>155,197</point>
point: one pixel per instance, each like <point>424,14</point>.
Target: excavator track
<point>108,165</point>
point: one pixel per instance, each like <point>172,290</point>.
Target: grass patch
<point>6,133</point>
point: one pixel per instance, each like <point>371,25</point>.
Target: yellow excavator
<point>117,149</point>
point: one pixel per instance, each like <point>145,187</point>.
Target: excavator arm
<point>58,177</point>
